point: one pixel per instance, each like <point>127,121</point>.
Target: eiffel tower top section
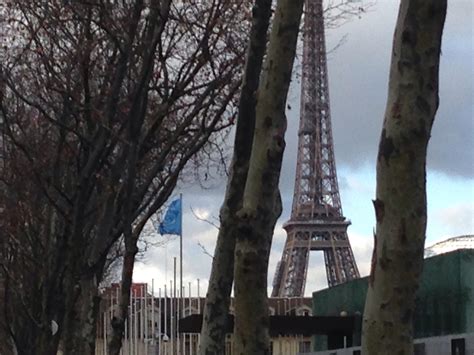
<point>316,189</point>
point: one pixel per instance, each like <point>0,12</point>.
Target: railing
<point>152,326</point>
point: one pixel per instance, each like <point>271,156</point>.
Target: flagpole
<point>172,225</point>
<point>181,244</point>
<point>180,259</point>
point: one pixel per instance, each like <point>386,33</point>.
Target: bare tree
<point>261,205</point>
<point>103,104</point>
<point>221,278</point>
<point>222,273</point>
<point>400,204</point>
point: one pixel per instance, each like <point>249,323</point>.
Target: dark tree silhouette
<point>103,104</point>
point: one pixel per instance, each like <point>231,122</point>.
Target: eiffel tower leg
<point>291,273</point>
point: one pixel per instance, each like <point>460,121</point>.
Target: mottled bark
<point>222,274</point>
<point>400,204</point>
<point>261,203</point>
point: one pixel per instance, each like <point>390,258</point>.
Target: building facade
<point>444,312</point>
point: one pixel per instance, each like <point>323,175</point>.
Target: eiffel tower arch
<point>317,221</point>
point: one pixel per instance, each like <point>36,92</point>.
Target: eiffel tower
<point>316,222</point>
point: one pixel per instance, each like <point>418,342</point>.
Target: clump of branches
<point>102,105</point>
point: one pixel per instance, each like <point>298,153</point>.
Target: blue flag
<point>171,224</point>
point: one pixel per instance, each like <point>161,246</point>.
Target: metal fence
<point>152,326</point>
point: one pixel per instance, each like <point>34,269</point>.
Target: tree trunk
<point>130,241</point>
<point>222,274</point>
<point>118,322</point>
<point>251,268</point>
<point>46,342</point>
<point>400,204</point>
<point>80,321</point>
<point>261,203</point>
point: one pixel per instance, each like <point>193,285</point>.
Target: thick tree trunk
<point>261,203</point>
<point>46,343</point>
<point>222,274</point>
<point>118,322</point>
<point>130,241</point>
<point>251,268</point>
<point>37,341</point>
<point>80,320</point>
<point>400,204</point>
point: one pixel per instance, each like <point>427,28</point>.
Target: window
<point>420,349</point>
<point>356,352</point>
<point>458,346</point>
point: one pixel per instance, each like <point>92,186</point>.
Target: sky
<point>358,80</point>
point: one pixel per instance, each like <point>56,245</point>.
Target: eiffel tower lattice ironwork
<point>316,222</point>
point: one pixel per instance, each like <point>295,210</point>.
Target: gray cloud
<point>456,219</point>
<point>358,74</point>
